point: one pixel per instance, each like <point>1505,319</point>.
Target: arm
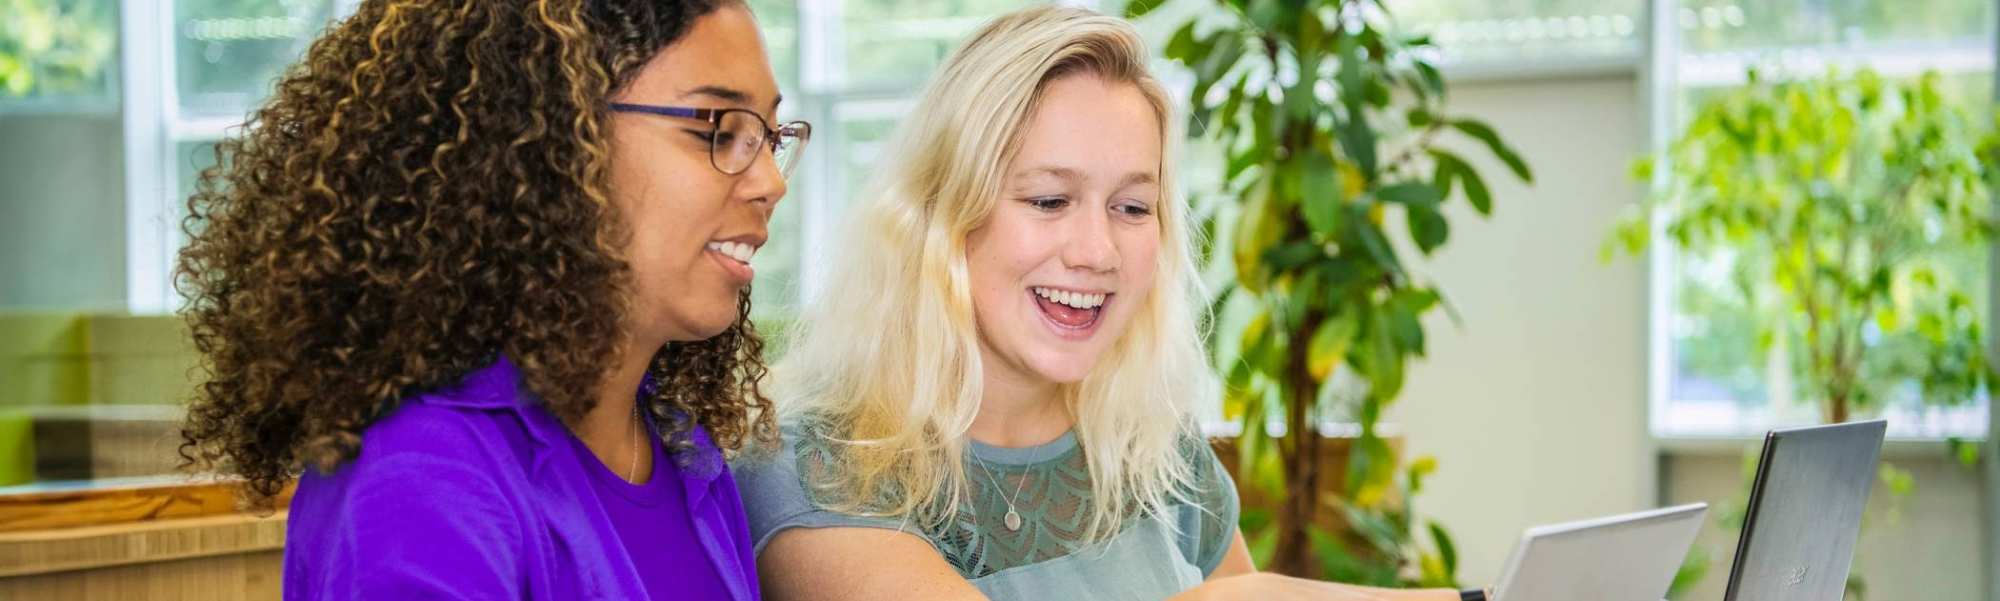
<point>855,564</point>
<point>1237,578</point>
<point>1236,562</point>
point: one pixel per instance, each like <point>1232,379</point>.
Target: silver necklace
<point>1013,519</point>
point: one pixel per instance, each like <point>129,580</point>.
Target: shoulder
<point>1209,482</point>
<point>432,448</point>
<point>770,478</point>
<point>1210,506</point>
<point>778,484</point>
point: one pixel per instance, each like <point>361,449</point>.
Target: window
<point>1715,381</point>
<point>216,61</point>
<point>1509,33</point>
<point>59,55</point>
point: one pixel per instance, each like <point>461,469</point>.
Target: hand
<point>1264,586</point>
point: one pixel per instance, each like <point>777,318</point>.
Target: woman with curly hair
<point>477,278</point>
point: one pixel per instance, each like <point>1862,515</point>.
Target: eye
<point>1048,203</point>
<point>1133,209</point>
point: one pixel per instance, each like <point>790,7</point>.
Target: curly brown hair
<point>424,192</point>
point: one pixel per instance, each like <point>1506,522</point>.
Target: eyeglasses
<point>736,136</point>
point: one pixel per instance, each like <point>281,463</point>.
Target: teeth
<point>1074,299</point>
<point>734,250</point>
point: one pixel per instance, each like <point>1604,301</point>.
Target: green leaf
<point>1139,8</point>
<point>1268,15</point>
<point>1693,568</point>
<point>1431,78</point>
<point>1966,451</point>
<point>1378,248</point>
<point>1182,46</point>
<point>1336,563</point>
<point>1263,545</point>
<point>1256,230</point>
<point>1222,54</point>
<point>1427,228</point>
<point>1475,187</point>
<point>1413,194</point>
<point>1329,344</point>
<point>1446,550</point>
<point>1386,379</point>
<point>1323,201</point>
<point>1291,255</point>
<point>1484,133</point>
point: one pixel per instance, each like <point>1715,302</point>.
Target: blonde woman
<point>992,399</point>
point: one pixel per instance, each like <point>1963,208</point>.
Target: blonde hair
<point>886,362</point>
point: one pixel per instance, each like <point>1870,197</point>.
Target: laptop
<point>1805,512</point>
<point>1629,557</point>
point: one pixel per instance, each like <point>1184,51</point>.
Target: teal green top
<point>1151,557</point>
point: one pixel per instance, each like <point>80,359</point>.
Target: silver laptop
<point>1805,512</point>
<point>1629,557</point>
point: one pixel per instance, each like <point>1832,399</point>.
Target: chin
<point>1065,369</point>
<point>717,324</point>
<point>697,325</point>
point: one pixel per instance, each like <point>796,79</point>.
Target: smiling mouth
<point>734,257</point>
<point>1068,309</point>
<point>736,251</point>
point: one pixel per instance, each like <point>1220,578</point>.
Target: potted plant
<point>1851,215</point>
<point>1330,123</point>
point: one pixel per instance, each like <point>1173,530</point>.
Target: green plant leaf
<point>1433,80</point>
<point>1323,201</point>
<point>1427,228</point>
<point>1447,551</point>
<point>1139,8</point>
<point>1450,166</point>
<point>1693,568</point>
<point>1414,194</point>
<point>1329,344</point>
<point>1378,248</point>
<point>1336,563</point>
<point>1256,230</point>
<point>1182,46</point>
<point>1966,451</point>
<point>1221,55</point>
<point>1484,133</point>
<point>1263,545</point>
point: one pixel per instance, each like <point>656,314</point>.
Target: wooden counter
<point>164,538</point>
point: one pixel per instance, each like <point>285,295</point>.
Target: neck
<point>1017,409</point>
<point>612,430</point>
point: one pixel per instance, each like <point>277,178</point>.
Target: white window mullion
<point>1992,461</point>
<point>146,69</point>
<point>821,69</point>
<point>1660,70</point>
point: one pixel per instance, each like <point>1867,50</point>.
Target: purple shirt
<point>478,492</point>
<point>652,522</point>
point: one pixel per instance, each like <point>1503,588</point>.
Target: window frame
<point>1668,72</point>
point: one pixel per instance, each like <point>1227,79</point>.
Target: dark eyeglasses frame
<point>772,136</point>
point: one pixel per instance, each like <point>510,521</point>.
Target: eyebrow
<point>1064,173</point>
<point>732,96</point>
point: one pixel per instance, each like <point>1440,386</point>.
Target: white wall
<point>1536,407</point>
<point>62,212</point>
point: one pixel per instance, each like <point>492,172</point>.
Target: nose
<point>763,184</point>
<point>1090,245</point>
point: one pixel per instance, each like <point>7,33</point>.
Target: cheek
<point>1139,253</point>
<point>1000,254</point>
